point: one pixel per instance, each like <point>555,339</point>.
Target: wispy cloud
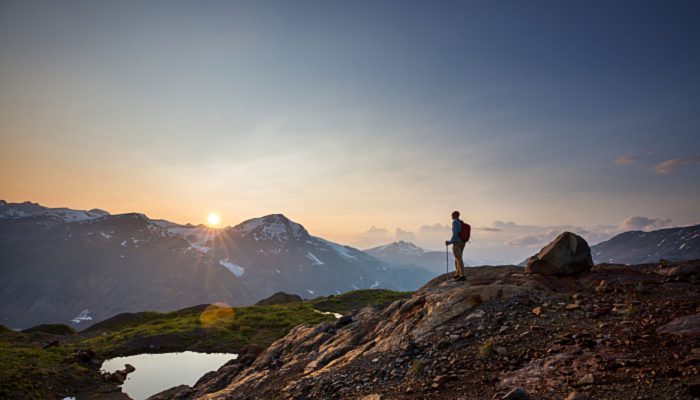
<point>644,223</point>
<point>488,229</point>
<point>507,241</point>
<point>405,235</point>
<point>668,166</point>
<point>377,231</point>
<point>436,227</point>
<point>530,240</point>
<point>627,159</point>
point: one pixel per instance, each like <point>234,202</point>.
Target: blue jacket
<point>456,229</point>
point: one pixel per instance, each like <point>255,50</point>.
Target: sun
<point>213,219</point>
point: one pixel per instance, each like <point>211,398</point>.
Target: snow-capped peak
<point>27,209</point>
<point>271,226</point>
<point>400,247</point>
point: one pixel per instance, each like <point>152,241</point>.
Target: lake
<point>157,372</point>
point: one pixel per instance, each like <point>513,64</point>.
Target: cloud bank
<point>669,166</point>
<point>505,242</point>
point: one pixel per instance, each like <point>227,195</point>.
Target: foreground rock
<point>568,254</point>
<point>480,339</point>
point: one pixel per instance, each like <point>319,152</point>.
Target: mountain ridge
<point>638,247</point>
<point>237,265</point>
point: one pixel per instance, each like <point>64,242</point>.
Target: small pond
<point>157,372</point>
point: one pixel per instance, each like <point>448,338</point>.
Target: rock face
<point>568,254</point>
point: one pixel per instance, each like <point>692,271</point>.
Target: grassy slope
<point>28,371</point>
<point>351,301</point>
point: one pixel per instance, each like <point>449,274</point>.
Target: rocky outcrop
<point>279,298</point>
<point>119,376</point>
<point>566,255</point>
<point>482,339</point>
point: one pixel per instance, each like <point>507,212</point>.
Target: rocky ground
<point>614,332</point>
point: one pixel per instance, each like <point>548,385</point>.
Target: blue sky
<point>347,115</point>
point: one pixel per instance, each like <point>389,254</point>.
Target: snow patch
<point>202,249</point>
<point>344,251</point>
<point>273,226</point>
<point>314,259</point>
<point>335,314</point>
<point>236,269</point>
<point>83,316</point>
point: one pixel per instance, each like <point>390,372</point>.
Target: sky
<point>366,121</point>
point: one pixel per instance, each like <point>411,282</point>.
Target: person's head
<point>455,214</point>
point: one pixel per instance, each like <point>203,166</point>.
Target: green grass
<point>215,329</point>
<point>357,299</point>
<point>29,372</point>
<point>417,367</point>
<point>486,348</point>
<point>54,329</point>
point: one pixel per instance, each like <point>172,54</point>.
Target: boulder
<point>119,376</point>
<point>568,254</point>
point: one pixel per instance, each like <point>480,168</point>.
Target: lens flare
<point>217,314</point>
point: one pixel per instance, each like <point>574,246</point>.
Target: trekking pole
<point>447,260</point>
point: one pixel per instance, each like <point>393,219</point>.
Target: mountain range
<point>61,265</point>
<point>638,247</point>
<point>406,254</point>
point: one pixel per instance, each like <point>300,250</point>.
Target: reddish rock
<point>683,326</point>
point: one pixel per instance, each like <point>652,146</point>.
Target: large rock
<point>568,254</point>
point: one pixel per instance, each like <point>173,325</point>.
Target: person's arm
<point>456,227</point>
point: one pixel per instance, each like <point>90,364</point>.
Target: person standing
<point>460,236</point>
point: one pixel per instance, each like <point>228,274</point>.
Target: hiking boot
<point>460,278</point>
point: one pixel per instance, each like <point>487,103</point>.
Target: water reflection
<point>157,372</point>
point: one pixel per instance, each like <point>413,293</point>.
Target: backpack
<point>465,232</point>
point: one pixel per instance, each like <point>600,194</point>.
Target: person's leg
<point>458,250</point>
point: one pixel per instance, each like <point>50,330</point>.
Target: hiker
<point>461,231</point>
